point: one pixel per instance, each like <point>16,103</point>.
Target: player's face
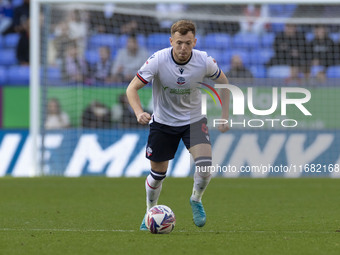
<point>182,46</point>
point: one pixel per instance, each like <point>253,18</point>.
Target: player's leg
<point>200,148</point>
<point>153,185</point>
<point>162,145</point>
<point>153,182</point>
<point>202,176</point>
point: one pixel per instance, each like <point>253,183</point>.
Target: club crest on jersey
<point>180,80</point>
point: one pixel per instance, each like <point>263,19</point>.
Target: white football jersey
<point>175,87</point>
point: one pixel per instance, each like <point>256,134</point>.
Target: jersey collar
<point>181,64</point>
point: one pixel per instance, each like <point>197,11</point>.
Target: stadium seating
<point>158,41</point>
<point>18,75</point>
<point>217,41</point>
<point>314,70</point>
<point>282,10</point>
<point>218,55</point>
<point>8,57</point>
<point>3,75</point>
<point>11,40</point>
<point>244,54</point>
<point>267,40</point>
<point>335,37</point>
<point>279,71</point>
<point>54,74</point>
<point>258,71</point>
<point>92,56</point>
<point>261,56</point>
<point>17,3</point>
<point>246,40</point>
<point>98,40</point>
<point>333,72</point>
<point>254,50</point>
<point>309,36</point>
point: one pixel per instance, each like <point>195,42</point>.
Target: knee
<point>203,165</point>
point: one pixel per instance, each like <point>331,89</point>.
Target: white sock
<point>153,187</point>
<point>202,177</point>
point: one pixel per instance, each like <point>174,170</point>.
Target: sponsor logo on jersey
<point>180,91</point>
<point>181,70</point>
<point>180,81</point>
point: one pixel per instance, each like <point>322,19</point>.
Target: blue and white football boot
<point>198,212</point>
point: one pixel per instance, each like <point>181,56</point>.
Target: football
<point>160,219</point>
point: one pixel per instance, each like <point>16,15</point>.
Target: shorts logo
<point>148,151</point>
<point>204,128</point>
<point>180,81</point>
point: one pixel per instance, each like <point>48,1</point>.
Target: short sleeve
<point>149,69</point>
<point>213,71</point>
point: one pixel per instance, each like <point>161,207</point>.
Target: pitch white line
<point>181,231</point>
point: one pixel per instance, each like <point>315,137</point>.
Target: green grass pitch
<point>94,215</point>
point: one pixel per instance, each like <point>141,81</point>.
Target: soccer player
<point>175,73</point>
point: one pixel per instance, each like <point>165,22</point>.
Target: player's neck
<point>179,62</point>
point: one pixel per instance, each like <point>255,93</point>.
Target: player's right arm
<point>134,100</point>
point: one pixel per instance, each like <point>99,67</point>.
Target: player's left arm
<point>225,97</point>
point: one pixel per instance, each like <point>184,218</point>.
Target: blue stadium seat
<point>309,36</point>
<point>335,37</point>
<point>98,40</point>
<point>281,10</point>
<point>1,41</point>
<point>333,72</point>
<point>261,56</point>
<point>279,71</point>
<point>158,41</point>
<point>258,71</point>
<point>217,41</point>
<point>8,57</point>
<point>3,75</point>
<point>277,27</point>
<point>246,40</point>
<point>16,3</point>
<point>54,74</point>
<point>267,40</point>
<point>92,56</point>
<point>314,70</point>
<point>11,40</point>
<point>18,75</point>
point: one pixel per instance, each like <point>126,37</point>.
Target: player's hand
<point>143,118</point>
<point>223,127</point>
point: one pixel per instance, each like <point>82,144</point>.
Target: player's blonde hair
<point>183,27</point>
